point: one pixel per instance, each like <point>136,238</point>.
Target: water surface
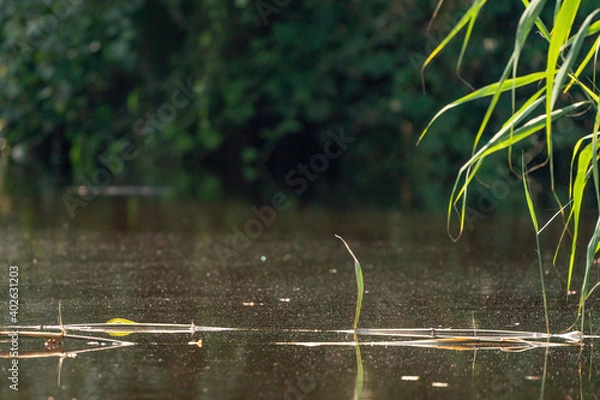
<point>159,261</point>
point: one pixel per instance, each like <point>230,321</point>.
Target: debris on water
<point>263,258</point>
<point>532,378</point>
<point>439,385</point>
<point>574,336</point>
<point>252,304</point>
<point>410,378</point>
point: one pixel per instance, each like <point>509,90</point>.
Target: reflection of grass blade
<point>360,373</point>
<point>359,282</point>
<point>534,220</point>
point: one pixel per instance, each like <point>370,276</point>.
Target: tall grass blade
<point>540,25</point>
<point>594,243</point>
<point>567,65</point>
<point>591,252</point>
<point>563,23</point>
<point>578,187</point>
<point>359,283</point>
<point>575,77</point>
<point>534,220</point>
<point>466,40</point>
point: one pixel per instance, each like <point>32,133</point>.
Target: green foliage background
<point>76,76</point>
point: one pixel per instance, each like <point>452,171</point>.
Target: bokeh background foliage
<point>270,79</point>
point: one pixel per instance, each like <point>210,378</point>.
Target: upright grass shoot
<point>359,283</point>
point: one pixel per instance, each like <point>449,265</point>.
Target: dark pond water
<point>158,261</point>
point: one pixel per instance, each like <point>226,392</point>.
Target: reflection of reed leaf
<point>359,282</point>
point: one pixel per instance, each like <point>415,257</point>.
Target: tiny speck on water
<point>333,271</point>
<point>439,385</point>
<point>532,378</point>
<point>263,258</point>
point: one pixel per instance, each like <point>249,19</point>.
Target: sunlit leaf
<point>578,187</point>
<point>486,91</point>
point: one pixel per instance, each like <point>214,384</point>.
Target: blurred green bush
<point>268,79</point>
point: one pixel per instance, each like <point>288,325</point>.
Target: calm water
<point>162,262</point>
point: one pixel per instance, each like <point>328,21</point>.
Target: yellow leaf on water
<point>120,321</point>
